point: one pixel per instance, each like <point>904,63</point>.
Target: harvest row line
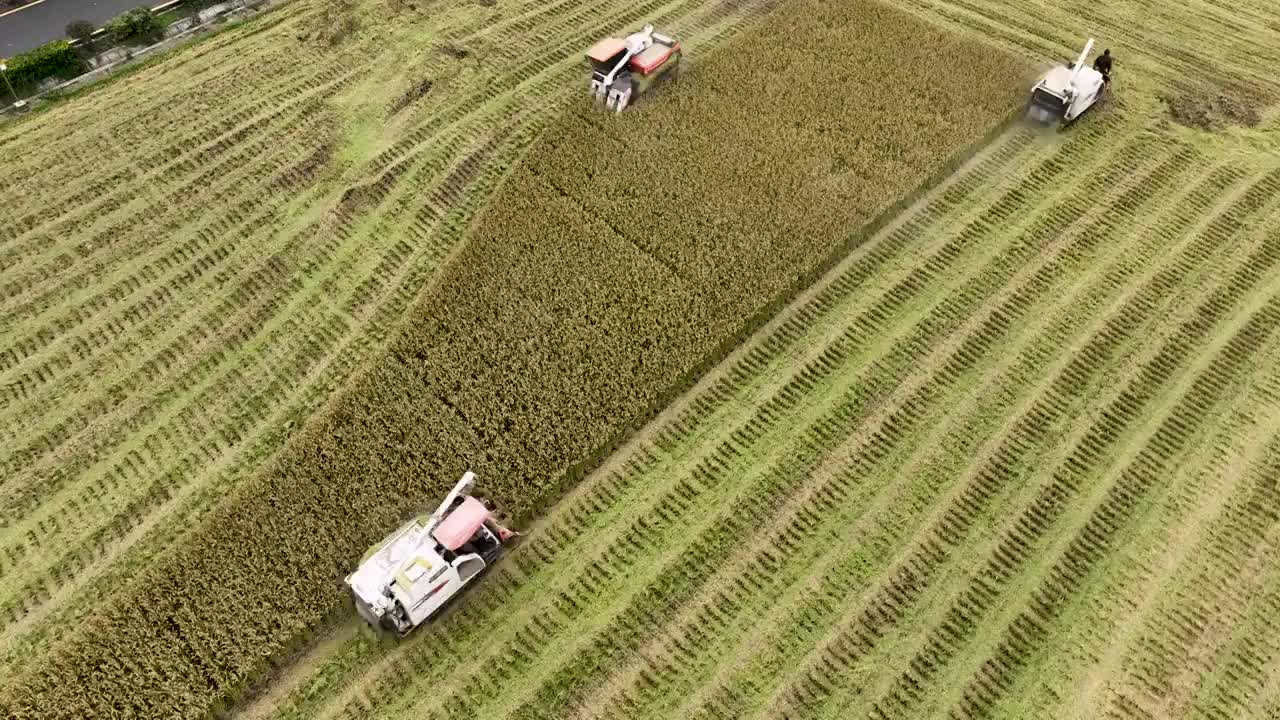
<point>953,525</point>
<point>206,262</point>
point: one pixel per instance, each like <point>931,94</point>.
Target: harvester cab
<point>1064,92</point>
<point>625,68</point>
<point>404,580</point>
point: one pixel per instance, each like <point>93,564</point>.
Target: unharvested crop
<point>623,254</point>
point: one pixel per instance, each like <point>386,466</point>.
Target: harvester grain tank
<point>407,578</point>
<point>622,69</point>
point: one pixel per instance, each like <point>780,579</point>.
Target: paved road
<point>35,25</point>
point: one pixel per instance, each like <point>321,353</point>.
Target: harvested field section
<point>559,323</point>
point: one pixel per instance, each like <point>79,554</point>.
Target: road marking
<point>6,13</point>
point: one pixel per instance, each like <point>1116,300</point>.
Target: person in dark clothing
<point>1103,65</point>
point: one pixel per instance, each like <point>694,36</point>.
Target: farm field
<point>562,318</point>
<point>197,255</point>
<point>1014,456</point>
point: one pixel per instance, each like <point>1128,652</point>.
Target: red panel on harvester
<point>461,524</point>
<point>647,61</point>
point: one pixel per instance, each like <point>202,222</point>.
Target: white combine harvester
<point>402,581</point>
<point>1065,92</point>
<point>625,68</point>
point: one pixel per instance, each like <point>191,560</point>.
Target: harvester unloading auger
<point>1064,92</point>
<point>404,580</point>
<point>625,68</point>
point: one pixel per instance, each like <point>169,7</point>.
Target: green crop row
<point>623,255</point>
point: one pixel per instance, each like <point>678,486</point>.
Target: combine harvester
<point>625,68</point>
<point>404,580</point>
<point>1065,92</point>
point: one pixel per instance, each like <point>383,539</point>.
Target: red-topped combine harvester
<point>624,68</point>
<point>408,577</point>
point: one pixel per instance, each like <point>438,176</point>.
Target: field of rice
<point>865,401</point>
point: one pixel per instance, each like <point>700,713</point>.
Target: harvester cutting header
<point>405,579</point>
<point>623,68</point>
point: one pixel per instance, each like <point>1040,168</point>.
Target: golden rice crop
<point>621,256</point>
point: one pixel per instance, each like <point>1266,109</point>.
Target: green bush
<point>80,29</point>
<point>55,59</point>
<point>133,25</point>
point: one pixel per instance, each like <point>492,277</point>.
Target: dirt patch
<point>1214,109</point>
<point>418,91</point>
<point>455,52</point>
<point>357,199</point>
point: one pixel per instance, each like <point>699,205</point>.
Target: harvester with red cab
<point>407,578</point>
<point>622,69</point>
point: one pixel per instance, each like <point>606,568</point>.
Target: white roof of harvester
<point>1057,79</point>
<point>606,48</point>
<point>411,542</point>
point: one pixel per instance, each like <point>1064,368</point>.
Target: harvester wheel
<point>626,89</point>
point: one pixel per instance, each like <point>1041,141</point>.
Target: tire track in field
<point>1189,516</point>
<point>90,334</point>
<point>1211,594</point>
<point>64,175</point>
<point>80,239</point>
<point>1244,684</point>
<point>970,506</point>
<point>48,225</point>
<point>955,629</point>
<point>727,700</point>
<point>214,269</point>
<point>979,608</point>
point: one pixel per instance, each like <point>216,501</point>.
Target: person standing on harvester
<point>1103,65</point>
